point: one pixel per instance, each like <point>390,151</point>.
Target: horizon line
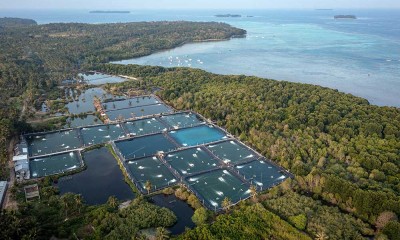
<point>219,9</point>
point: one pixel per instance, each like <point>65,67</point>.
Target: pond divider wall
<point>182,179</point>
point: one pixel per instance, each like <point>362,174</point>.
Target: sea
<point>359,56</point>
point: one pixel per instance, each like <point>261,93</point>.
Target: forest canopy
<point>341,149</point>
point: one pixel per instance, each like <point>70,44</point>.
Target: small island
<point>228,15</point>
<point>98,11</point>
<point>345,17</point>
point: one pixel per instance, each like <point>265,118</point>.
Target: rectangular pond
<point>232,152</point>
<point>197,135</point>
<point>84,99</point>
<point>144,126</point>
<point>101,179</point>
<point>150,169</point>
<point>100,78</point>
<point>129,103</point>
<point>181,120</point>
<point>144,146</point>
<point>261,173</point>
<point>102,134</point>
<point>128,113</point>
<point>53,142</point>
<point>190,161</point>
<point>214,186</point>
<point>87,120</point>
<point>54,164</point>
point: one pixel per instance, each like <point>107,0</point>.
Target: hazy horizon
<point>197,4</point>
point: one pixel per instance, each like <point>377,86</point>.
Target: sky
<point>194,4</point>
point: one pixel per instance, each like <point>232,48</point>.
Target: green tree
<point>226,204</point>
<point>299,221</point>
<point>162,233</point>
<point>321,236</point>
<point>148,186</point>
<point>112,202</point>
<point>78,202</point>
<point>253,191</point>
<point>392,230</point>
<point>200,216</point>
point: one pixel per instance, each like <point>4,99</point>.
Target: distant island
<point>345,17</point>
<point>228,15</point>
<point>324,9</point>
<point>16,22</point>
<point>250,16</point>
<point>109,11</point>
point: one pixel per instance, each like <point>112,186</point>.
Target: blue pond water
<point>214,186</point>
<point>197,135</point>
<point>232,152</point>
<point>54,164</point>
<point>144,146</point>
<point>181,120</point>
<point>150,169</point>
<point>261,173</point>
<point>144,126</point>
<point>191,161</point>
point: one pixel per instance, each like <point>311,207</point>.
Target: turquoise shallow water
<point>360,56</point>
<point>197,135</point>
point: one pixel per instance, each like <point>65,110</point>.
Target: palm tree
<point>226,204</point>
<point>65,204</point>
<point>112,202</point>
<point>162,233</point>
<point>321,236</point>
<point>120,118</point>
<point>253,191</point>
<point>148,186</point>
<point>78,202</point>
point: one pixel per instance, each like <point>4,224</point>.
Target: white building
<point>3,188</point>
<point>21,162</point>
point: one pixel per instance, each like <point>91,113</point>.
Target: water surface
<point>197,135</point>
<point>102,178</point>
<point>359,57</point>
<point>181,209</point>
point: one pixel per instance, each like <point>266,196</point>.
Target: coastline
<point>180,45</point>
